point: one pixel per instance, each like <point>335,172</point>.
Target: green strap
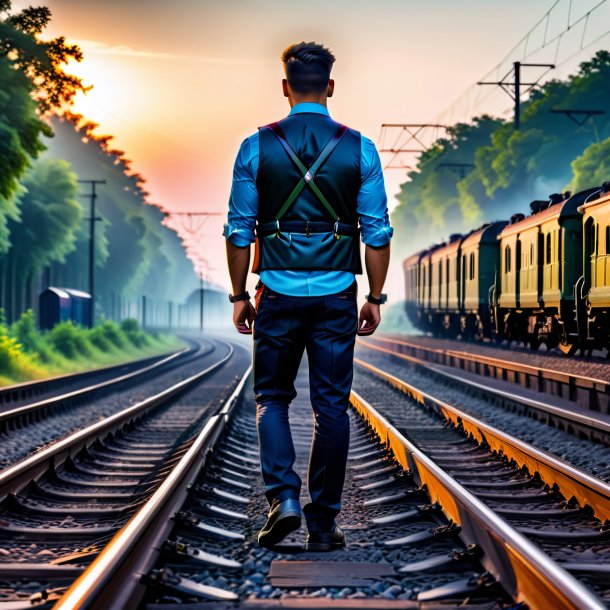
<point>308,174</point>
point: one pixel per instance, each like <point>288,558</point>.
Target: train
<point>533,279</point>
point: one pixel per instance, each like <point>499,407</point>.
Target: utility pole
<point>515,93</point>
<point>92,220</point>
<point>201,303</point>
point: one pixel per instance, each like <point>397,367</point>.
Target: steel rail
<point>16,477</point>
<point>27,389</point>
<point>112,581</point>
<point>574,383</point>
<point>570,481</point>
<point>596,426</point>
<point>526,573</point>
<point>54,402</point>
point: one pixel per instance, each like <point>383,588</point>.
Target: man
<point>300,189</point>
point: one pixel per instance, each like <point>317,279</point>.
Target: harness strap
<point>308,173</point>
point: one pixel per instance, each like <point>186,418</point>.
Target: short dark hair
<point>307,66</point>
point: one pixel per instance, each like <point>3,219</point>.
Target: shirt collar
<point>313,107</point>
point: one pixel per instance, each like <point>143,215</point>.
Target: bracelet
<point>244,296</point>
<point>377,301</point>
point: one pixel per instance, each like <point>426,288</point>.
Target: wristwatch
<point>244,296</point>
<point>377,301</point>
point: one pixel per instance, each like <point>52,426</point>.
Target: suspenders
<point>308,174</point>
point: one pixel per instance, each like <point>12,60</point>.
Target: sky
<point>180,84</point>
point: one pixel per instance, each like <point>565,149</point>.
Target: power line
<point>515,93</point>
<point>550,30</point>
<point>409,138</point>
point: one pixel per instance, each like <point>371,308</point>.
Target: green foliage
<point>26,353</point>
<point>135,253</point>
<point>592,167</point>
<point>25,331</point>
<point>39,60</point>
<point>511,167</point>
<point>134,333</point>
<point>32,82</point>
<point>69,340</point>
<point>50,216</point>
<point>432,200</point>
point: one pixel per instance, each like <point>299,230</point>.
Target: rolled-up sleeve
<point>243,201</point>
<point>372,199</point>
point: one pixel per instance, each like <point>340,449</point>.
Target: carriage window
<point>531,254</point>
<point>607,239</point>
<point>440,273</point>
<point>472,266</point>
<point>597,239</point>
<point>507,259</point>
<point>548,248</point>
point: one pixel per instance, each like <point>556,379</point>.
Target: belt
<point>306,226</point>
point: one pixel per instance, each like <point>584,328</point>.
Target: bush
<point>26,353</point>
<point>25,331</point>
<point>113,333</point>
<point>69,340</point>
<point>134,333</point>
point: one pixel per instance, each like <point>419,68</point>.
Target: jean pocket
<point>274,316</point>
<point>341,313</point>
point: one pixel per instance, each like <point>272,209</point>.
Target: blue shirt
<point>243,206</point>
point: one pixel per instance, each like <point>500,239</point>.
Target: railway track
<point>563,510</point>
<point>489,384</point>
<point>560,377</point>
<point>415,534</point>
<point>30,427</point>
<point>60,506</point>
<point>26,392</point>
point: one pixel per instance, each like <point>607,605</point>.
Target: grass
<point>27,353</point>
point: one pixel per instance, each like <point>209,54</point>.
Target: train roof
<point>448,247</point>
<point>413,259</point>
<point>488,233</point>
<point>555,211</point>
<point>416,258</point>
<point>600,196</point>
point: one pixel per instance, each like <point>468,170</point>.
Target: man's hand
<point>370,317</point>
<point>243,316</point>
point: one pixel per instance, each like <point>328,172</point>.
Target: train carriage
<point>445,296</point>
<point>524,280</point>
<point>411,268</point>
<point>480,259</point>
<point>593,288</point>
<point>540,263</point>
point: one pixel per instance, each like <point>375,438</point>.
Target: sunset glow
<point>181,85</point>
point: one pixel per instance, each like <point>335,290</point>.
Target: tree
<point>511,167</point>
<point>45,232</point>
<point>32,83</point>
<point>592,167</point>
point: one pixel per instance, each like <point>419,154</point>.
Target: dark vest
<point>307,236</point>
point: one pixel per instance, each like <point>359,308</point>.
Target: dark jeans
<point>285,327</point>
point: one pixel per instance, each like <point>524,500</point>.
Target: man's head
<point>307,66</point>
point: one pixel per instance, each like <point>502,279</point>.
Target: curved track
<point>30,427</point>
<point>60,506</point>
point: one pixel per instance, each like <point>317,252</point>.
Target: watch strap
<point>243,296</point>
<point>377,301</point>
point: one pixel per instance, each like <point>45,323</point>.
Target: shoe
<point>318,540</point>
<point>284,518</point>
